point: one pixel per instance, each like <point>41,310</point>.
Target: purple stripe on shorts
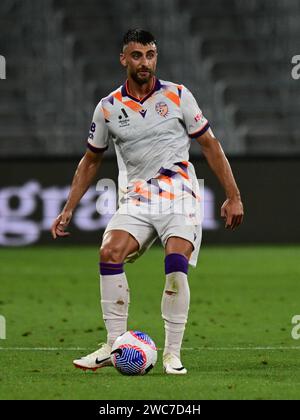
<point>109,269</point>
<point>176,262</point>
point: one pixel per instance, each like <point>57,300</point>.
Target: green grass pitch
<point>237,345</point>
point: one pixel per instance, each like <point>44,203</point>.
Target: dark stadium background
<point>241,60</point>
<point>236,57</point>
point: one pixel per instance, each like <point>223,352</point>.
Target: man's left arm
<point>232,209</point>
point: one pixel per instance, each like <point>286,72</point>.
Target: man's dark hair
<point>138,35</point>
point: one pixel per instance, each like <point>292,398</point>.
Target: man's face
<point>140,61</point>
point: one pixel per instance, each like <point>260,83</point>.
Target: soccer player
<point>151,123</point>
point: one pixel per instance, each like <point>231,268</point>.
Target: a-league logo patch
<point>198,117</point>
<point>162,109</point>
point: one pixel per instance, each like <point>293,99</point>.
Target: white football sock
<point>175,307</point>
<point>114,303</point>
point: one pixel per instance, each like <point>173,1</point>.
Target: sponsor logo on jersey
<point>123,118</point>
<point>162,109</point>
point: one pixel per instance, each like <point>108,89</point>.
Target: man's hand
<point>232,211</point>
<point>84,176</point>
<point>60,224</point>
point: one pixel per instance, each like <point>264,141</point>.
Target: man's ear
<point>123,60</point>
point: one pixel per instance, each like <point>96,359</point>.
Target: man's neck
<point>140,91</point>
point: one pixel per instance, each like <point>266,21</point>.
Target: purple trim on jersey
<point>187,189</point>
<point>167,172</point>
<point>111,99</point>
<point>200,132</point>
<point>124,90</point>
<point>176,262</point>
<point>154,182</point>
<point>110,269</point>
<point>182,166</point>
<point>96,149</point>
<point>156,87</point>
<point>179,92</point>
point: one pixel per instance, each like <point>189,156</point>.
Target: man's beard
<point>142,80</point>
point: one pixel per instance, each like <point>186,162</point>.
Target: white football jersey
<point>152,138</point>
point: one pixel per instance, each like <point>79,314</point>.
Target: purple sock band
<point>176,262</point>
<point>109,269</point>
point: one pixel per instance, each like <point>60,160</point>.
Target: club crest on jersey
<point>162,109</point>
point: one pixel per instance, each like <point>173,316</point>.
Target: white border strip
<point>184,348</point>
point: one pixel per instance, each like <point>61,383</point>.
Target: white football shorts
<point>146,228</point>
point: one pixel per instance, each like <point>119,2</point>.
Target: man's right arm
<point>84,176</point>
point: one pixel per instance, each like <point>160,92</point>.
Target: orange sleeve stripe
<point>173,97</point>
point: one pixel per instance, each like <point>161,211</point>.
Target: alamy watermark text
<point>2,328</point>
<point>2,67</point>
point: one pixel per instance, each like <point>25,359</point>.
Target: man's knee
<point>112,253</point>
<point>179,245</point>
